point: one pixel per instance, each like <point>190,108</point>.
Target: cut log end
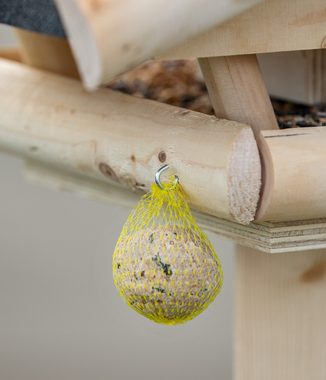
<point>244,178</point>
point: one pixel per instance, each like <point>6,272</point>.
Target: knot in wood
<point>106,170</point>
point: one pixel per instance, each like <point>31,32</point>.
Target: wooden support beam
<point>280,316</point>
<point>117,137</point>
<point>271,26</point>
<point>91,25</point>
<point>237,91</point>
<point>47,53</point>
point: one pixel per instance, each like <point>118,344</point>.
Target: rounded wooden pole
<point>110,37</point>
<point>297,166</point>
<point>117,137</point>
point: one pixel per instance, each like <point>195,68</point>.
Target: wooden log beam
<point>110,37</point>
<point>271,26</point>
<point>298,186</point>
<point>118,137</point>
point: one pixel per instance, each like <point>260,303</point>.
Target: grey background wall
<point>60,315</point>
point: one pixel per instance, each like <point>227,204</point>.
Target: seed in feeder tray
<point>168,274</point>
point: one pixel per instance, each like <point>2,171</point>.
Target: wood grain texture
<point>110,37</point>
<point>47,53</point>
<point>298,187</point>
<point>280,316</point>
<point>237,92</point>
<point>117,137</point>
<point>272,26</point>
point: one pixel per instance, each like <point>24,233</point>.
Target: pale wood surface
<point>265,236</point>
<point>298,76</point>
<point>110,37</point>
<point>11,53</point>
<point>47,52</point>
<point>280,316</point>
<point>126,139</point>
<point>237,92</point>
<point>298,188</point>
<point>272,26</point>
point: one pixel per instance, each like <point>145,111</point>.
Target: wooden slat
<point>237,91</point>
<point>272,26</point>
<point>280,316</point>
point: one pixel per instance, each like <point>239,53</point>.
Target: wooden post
<point>237,90</point>
<point>280,315</point>
<point>279,323</point>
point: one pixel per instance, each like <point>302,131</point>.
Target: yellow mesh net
<point>164,266</point>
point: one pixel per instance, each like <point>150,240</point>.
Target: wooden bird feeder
<point>262,186</point>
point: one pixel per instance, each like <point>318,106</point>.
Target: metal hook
<point>158,176</point>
